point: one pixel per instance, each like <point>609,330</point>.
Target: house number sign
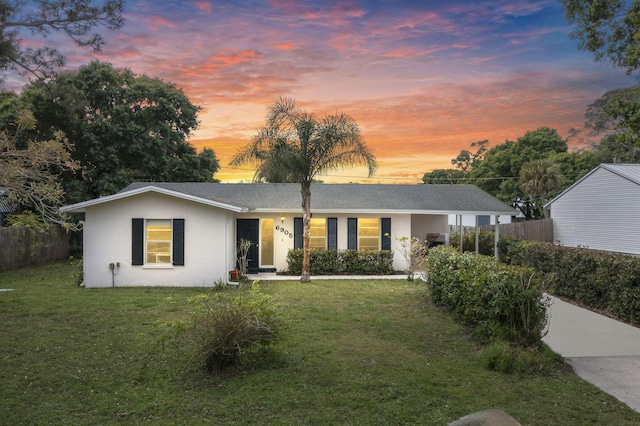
<point>284,231</point>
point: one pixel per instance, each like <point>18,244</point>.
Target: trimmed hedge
<point>604,281</point>
<point>501,302</point>
<point>332,262</point>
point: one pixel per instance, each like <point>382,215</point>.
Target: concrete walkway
<point>272,276</point>
<point>601,350</point>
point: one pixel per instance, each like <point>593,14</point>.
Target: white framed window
<point>369,233</point>
<point>318,233</point>
<point>158,241</point>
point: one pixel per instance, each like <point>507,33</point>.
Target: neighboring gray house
<point>186,234</point>
<point>600,211</point>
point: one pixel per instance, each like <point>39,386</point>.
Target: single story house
<point>186,234</point>
<point>601,210</point>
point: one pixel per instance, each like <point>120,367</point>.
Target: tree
<point>296,146</point>
<point>74,18</point>
<point>616,117</point>
<point>499,170</point>
<point>538,179</point>
<point>442,176</point>
<point>124,127</point>
<point>29,177</point>
<point>465,160</point>
<point>606,29</point>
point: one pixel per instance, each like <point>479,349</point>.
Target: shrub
<point>414,251</point>
<point>328,262</point>
<point>225,326</point>
<point>501,302</point>
<point>506,358</point>
<point>605,281</point>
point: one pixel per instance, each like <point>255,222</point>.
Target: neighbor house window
<point>158,233</point>
<point>318,233</point>
<point>369,233</point>
<point>157,242</point>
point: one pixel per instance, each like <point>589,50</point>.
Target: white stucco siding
<point>470,220</point>
<point>422,225</point>
<point>601,212</point>
<point>284,233</point>
<point>108,239</point>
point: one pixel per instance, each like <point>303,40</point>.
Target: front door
<point>249,229</point>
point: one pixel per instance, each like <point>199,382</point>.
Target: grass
<point>356,352</point>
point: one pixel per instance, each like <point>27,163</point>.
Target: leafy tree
<point>610,29</point>
<point>30,177</point>
<point>538,179</point>
<point>499,170</point>
<point>616,117</point>
<point>74,18</point>
<point>573,165</point>
<point>440,176</point>
<point>465,160</point>
<point>124,127</point>
<point>296,146</point>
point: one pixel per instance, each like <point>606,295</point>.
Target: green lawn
<point>356,352</point>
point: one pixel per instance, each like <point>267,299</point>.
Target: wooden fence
<point>21,247</point>
<point>533,230</point>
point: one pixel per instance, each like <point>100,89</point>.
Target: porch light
<point>282,219</point>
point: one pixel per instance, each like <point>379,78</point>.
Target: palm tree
<point>295,146</point>
<point>539,178</point>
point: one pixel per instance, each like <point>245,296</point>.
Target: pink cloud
<point>204,6</point>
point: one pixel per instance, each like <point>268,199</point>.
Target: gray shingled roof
<point>344,197</point>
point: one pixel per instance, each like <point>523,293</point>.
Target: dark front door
<point>249,229</point>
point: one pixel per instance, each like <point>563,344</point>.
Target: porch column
<point>497,237</point>
<point>461,232</point>
<point>477,237</point>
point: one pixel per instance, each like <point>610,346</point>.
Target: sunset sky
<point>423,79</point>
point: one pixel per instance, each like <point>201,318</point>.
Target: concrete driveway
<point>601,350</point>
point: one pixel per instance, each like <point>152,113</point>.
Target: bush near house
<point>501,302</point>
<point>604,281</point>
<point>332,262</point>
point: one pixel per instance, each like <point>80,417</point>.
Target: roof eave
<point>81,207</point>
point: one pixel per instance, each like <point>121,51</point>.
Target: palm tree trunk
<point>306,230</point>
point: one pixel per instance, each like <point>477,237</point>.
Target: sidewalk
<point>601,350</point>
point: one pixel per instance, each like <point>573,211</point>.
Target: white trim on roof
<point>80,207</point>
<point>616,169</point>
<point>387,211</point>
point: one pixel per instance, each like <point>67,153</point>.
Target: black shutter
<point>137,241</point>
<point>385,233</point>
<point>352,227</point>
<point>297,232</point>
<point>332,233</point>
<point>178,242</point>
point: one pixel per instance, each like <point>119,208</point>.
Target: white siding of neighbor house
<point>601,212</point>
<point>209,236</point>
